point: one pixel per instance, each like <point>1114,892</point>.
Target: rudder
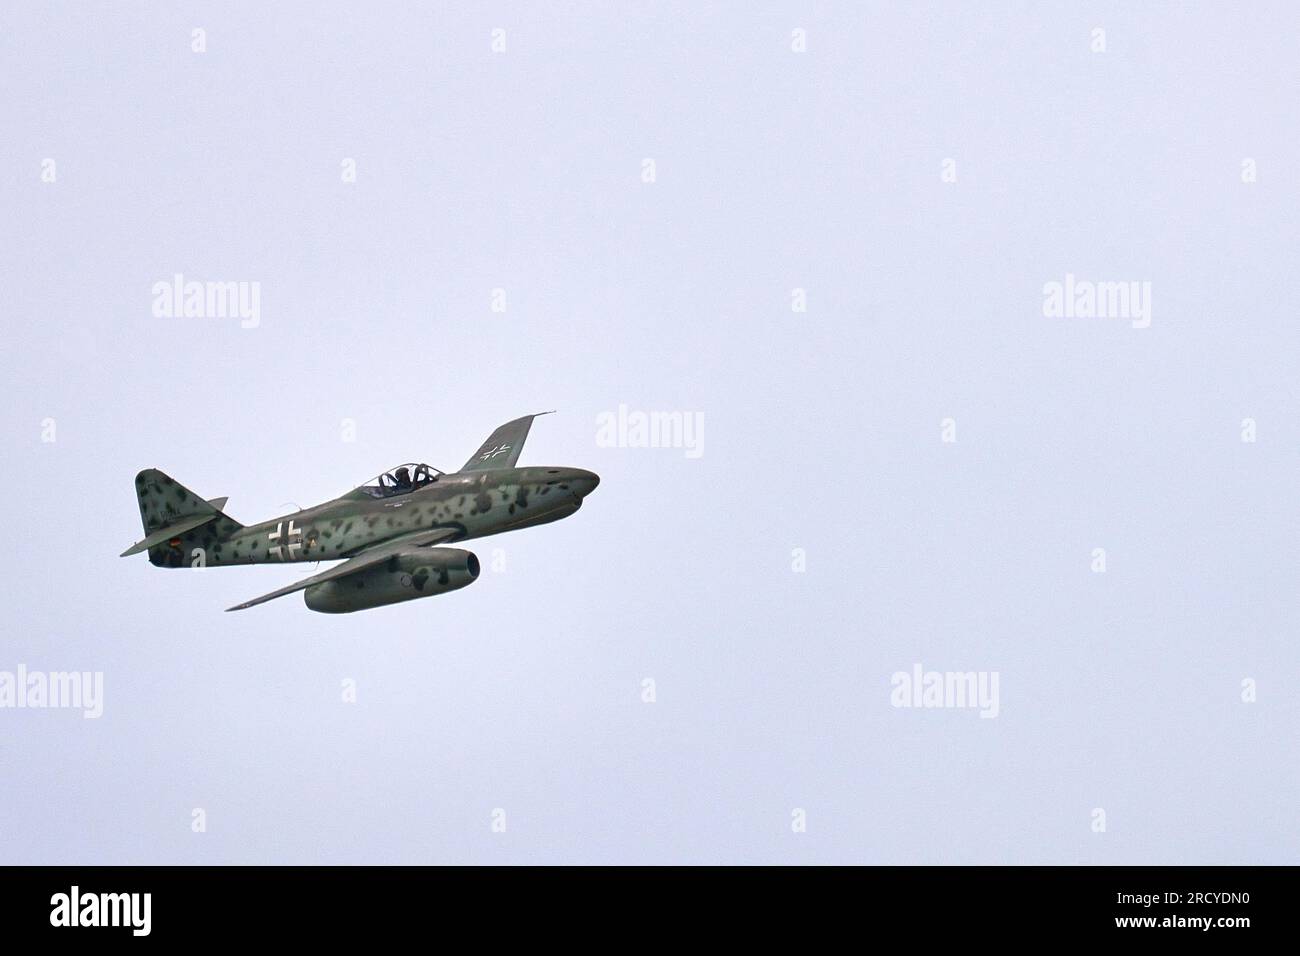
<point>165,501</point>
<point>175,517</point>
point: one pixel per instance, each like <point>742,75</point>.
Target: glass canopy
<point>401,480</point>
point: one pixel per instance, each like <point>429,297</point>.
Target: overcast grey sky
<point>837,256</point>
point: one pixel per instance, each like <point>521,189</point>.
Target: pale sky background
<point>775,170</point>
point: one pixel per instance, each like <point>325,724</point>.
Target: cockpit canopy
<point>401,480</point>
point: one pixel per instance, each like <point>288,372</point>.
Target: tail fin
<point>507,441</point>
<point>171,514</point>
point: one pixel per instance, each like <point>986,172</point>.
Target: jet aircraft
<point>385,530</point>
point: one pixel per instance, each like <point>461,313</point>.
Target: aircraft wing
<point>376,554</point>
<point>502,448</point>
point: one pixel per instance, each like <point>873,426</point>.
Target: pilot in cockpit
<point>403,479</point>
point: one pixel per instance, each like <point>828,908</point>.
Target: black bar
<point>364,904</point>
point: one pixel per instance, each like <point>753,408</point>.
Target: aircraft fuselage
<point>473,504</point>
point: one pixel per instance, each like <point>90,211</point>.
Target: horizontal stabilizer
<point>169,510</point>
<point>171,531</point>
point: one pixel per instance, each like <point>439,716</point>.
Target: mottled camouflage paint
<point>471,504</point>
<point>385,543</point>
<point>421,573</point>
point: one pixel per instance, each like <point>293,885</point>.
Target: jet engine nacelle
<point>403,577</point>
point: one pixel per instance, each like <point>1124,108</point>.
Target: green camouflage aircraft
<point>384,530</point>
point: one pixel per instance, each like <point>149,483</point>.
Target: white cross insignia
<point>293,541</point>
<point>493,452</point>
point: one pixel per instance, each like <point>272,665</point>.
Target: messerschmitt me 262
<point>385,531</point>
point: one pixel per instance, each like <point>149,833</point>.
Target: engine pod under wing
<point>374,556</point>
<point>411,574</point>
